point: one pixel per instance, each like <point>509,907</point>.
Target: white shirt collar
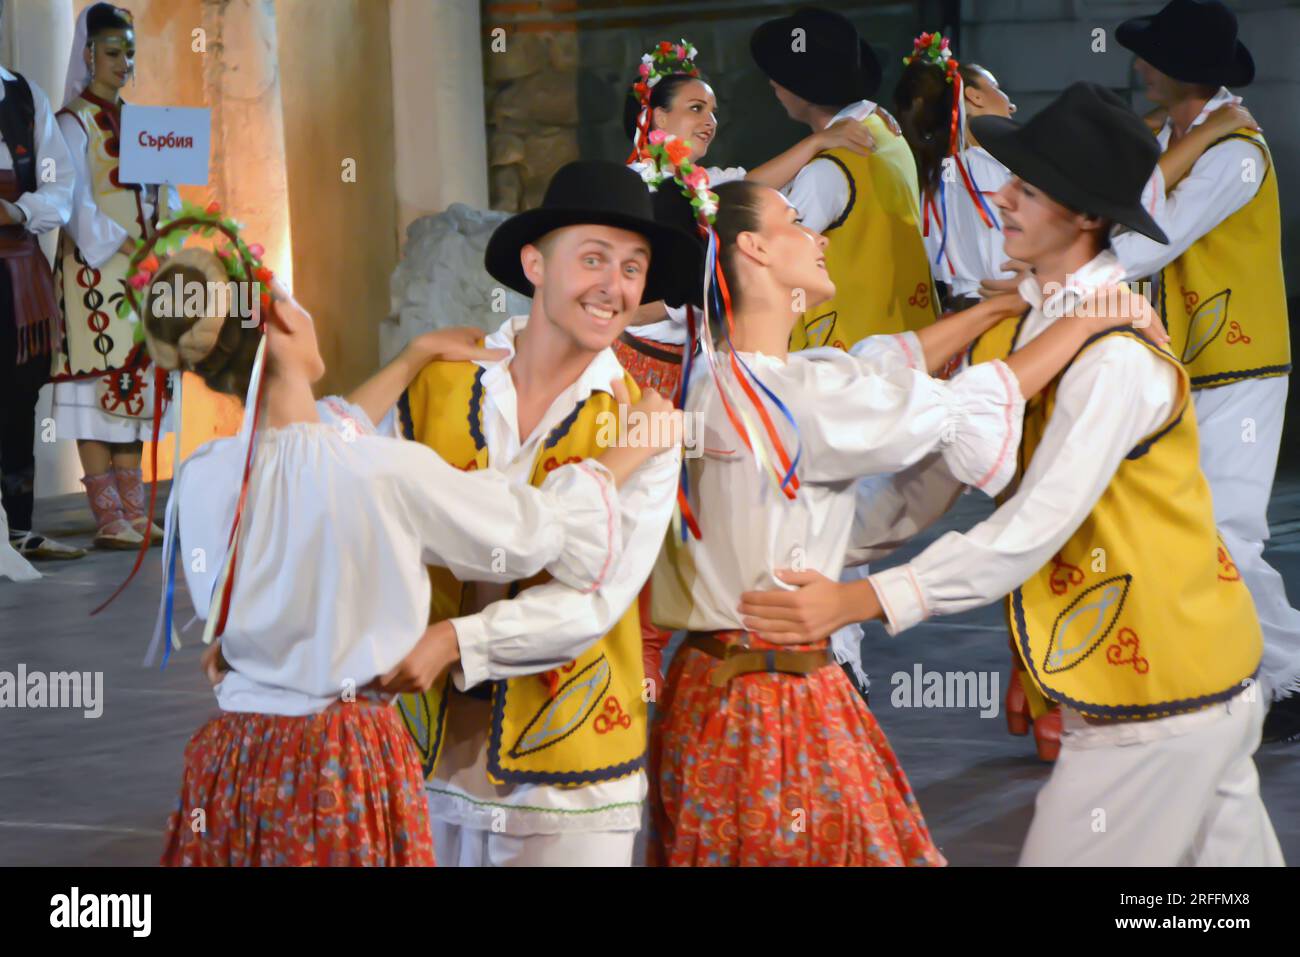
<point>858,111</point>
<point>603,367</point>
<point>1223,97</point>
<point>1103,270</point>
<point>6,75</point>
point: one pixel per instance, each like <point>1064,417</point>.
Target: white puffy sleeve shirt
<point>330,587</point>
<point>51,204</point>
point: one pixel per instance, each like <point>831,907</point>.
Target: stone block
<point>505,187</point>
<point>549,98</point>
<point>505,149</point>
<point>525,54</point>
<point>544,152</point>
<point>441,282</point>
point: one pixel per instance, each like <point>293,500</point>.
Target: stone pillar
<point>37,38</point>
<point>438,112</point>
<point>241,83</point>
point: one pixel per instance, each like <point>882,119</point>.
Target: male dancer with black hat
<point>1124,604</point>
<point>534,749</point>
<point>868,206</point>
<point>35,197</point>
<point>1222,296</point>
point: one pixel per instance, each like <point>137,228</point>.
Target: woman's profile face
<point>111,58</point>
<point>797,254</point>
<point>987,98</point>
<point>692,115</point>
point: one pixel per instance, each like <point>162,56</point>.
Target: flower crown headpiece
<point>670,158</point>
<point>666,59</point>
<point>934,48</point>
<point>241,262</point>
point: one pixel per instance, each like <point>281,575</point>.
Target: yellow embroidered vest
<point>582,723</point>
<point>1142,612</point>
<point>1224,299</point>
<point>876,255</point>
<point>96,340</point>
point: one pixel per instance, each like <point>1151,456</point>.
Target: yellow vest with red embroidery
<point>1142,612</point>
<point>1224,299</point>
<point>96,339</point>
<point>579,724</point>
<point>876,256</point>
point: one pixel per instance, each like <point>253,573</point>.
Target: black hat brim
<point>1140,36</point>
<point>769,45</point>
<point>676,258</point>
<point>1005,140</point>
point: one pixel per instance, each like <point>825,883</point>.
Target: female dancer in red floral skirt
<point>323,595</point>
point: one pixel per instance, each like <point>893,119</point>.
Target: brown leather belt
<point>738,659</point>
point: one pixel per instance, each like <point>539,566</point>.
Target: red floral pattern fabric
<point>776,769</point>
<point>650,372</point>
<point>338,788</point>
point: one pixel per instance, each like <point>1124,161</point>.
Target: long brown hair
<point>740,210</point>
<point>228,367</point>
<point>923,105</point>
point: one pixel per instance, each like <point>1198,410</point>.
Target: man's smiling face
<point>590,280</point>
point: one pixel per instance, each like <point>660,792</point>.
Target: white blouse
<point>973,251</point>
<point>330,587</point>
<point>869,411</point>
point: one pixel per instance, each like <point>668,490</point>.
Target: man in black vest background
<point>35,197</point>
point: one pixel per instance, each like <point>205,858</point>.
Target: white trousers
<point>1175,791</point>
<point>1239,466</point>
<point>457,846</point>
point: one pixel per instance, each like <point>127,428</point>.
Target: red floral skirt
<point>776,769</point>
<point>342,787</point>
<point>652,365</point>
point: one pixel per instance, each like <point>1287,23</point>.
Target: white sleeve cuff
<point>900,598</point>
<point>472,638</point>
<point>588,502</point>
<point>987,414</point>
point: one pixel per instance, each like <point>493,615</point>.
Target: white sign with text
<point>165,144</point>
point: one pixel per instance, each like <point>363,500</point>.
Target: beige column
<point>438,108</point>
<point>241,80</point>
<point>37,38</point>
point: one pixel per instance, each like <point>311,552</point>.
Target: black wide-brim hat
<point>832,65</point>
<point>1193,41</point>
<point>598,193</point>
<point>1086,149</point>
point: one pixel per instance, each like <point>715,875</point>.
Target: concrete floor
<point>97,791</point>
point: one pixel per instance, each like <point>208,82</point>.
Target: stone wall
<point>752,125</point>
<point>530,76</point>
<point>555,91</point>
